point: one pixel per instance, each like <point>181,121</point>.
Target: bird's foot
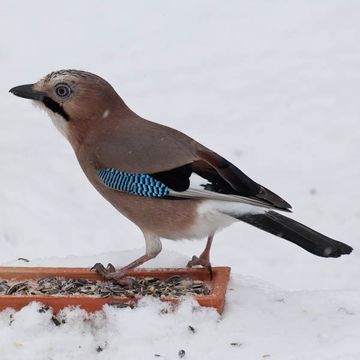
<point>102,270</point>
<point>201,261</point>
<point>109,272</point>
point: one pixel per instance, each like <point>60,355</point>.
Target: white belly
<point>212,216</point>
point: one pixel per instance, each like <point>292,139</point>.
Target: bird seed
<point>173,287</point>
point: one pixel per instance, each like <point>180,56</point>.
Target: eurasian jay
<point>145,170</point>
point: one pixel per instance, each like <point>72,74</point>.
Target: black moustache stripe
<point>55,107</point>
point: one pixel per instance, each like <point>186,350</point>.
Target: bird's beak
<point>27,92</point>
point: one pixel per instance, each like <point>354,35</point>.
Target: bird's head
<point>75,100</point>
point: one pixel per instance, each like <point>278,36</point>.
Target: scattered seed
<point>181,353</point>
<point>56,321</point>
<point>43,309</point>
<point>235,344</point>
<point>192,329</point>
<point>345,311</point>
<point>11,319</point>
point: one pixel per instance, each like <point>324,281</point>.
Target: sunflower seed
<point>174,286</point>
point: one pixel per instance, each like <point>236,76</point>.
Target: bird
<point>165,182</point>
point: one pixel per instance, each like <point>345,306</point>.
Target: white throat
<point>59,122</point>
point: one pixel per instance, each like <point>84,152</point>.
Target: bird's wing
<point>221,180</point>
<point>225,177</point>
<point>171,157</point>
<point>148,186</point>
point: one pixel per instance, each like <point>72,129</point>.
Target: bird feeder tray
<point>214,298</point>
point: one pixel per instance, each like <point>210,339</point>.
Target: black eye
<point>63,90</point>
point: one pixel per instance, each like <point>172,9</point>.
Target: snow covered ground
<point>271,85</point>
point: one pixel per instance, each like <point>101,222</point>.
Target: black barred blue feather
<point>137,184</point>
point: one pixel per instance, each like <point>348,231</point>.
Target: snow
<point>260,321</point>
<point>271,85</point>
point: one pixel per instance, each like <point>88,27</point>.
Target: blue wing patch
<point>137,184</point>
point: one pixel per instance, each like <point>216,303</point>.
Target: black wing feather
<point>177,179</point>
<point>222,176</point>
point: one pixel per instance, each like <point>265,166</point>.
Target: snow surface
<point>271,85</point>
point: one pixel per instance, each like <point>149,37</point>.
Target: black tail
<point>297,233</point>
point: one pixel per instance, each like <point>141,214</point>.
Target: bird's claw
<point>100,269</point>
<point>110,268</point>
<point>104,271</point>
<point>109,272</point>
<point>200,261</point>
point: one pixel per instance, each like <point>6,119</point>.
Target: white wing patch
<point>197,191</point>
<point>211,195</point>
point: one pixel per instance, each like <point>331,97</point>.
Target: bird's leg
<point>204,258</point>
<point>153,248</point>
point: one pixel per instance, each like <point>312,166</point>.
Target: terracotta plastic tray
<point>215,299</point>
